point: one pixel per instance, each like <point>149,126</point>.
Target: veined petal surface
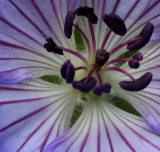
<point>105,128</point>
<point>147,101</point>
<point>24,27</point>
<point>32,114</point>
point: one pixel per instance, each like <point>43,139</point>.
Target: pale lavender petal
<point>32,114</point>
<point>24,27</point>
<point>102,127</point>
<point>147,104</point>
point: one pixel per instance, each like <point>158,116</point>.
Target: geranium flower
<point>103,52</point>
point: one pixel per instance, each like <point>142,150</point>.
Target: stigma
<point>100,57</point>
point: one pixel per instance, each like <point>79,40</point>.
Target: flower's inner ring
<point>99,56</point>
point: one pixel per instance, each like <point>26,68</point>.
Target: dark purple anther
<point>87,12</point>
<point>106,88</point>
<point>115,23</point>
<point>51,46</point>
<point>98,91</point>
<point>68,71</point>
<point>102,57</point>
<point>140,83</point>
<point>85,87</point>
<point>145,35</point>
<point>138,56</point>
<point>134,64</point>
<point>68,23</point>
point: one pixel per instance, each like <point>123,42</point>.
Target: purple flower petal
<point>147,104</point>
<point>32,114</point>
<point>103,127</point>
<point>24,27</point>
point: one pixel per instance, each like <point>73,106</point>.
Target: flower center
<point>99,56</point>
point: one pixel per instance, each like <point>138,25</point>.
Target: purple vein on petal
<point>83,143</point>
<point>24,49</point>
<point>138,134</point>
<point>38,127</point>
<point>120,134</point>
<point>19,101</point>
<point>115,6</point>
<point>47,137</point>
<point>132,8</point>
<point>99,134</point>
<point>49,132</point>
<point>147,10</point>
<point>25,16</point>
<point>51,129</point>
<point>67,138</point>
<point>87,135</point>
<point>143,103</point>
<point>20,31</point>
<point>45,21</point>
<point>22,59</point>
<point>55,12</point>
<point>34,132</point>
<point>154,94</point>
<point>25,117</point>
<point>144,13</point>
<point>22,76</point>
<point>108,135</point>
<point>124,139</point>
<point>61,11</point>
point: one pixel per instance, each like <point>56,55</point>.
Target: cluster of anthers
<point>100,56</point>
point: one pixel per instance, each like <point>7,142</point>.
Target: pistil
<point>106,39</point>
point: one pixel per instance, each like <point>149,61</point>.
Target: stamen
<point>140,84</point>
<point>51,46</point>
<point>92,19</point>
<point>119,60</point>
<point>67,71</point>
<point>89,75</point>
<point>115,23</point>
<point>74,53</point>
<point>106,88</point>
<point>68,23</point>
<point>134,64</point>
<point>106,39</point>
<point>145,35</point>
<point>93,37</point>
<point>80,68</point>
<point>87,12</point>
<point>123,44</point>
<point>100,79</point>
<point>85,87</point>
<point>98,90</point>
<point>86,39</point>
<point>138,56</point>
<point>121,71</point>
